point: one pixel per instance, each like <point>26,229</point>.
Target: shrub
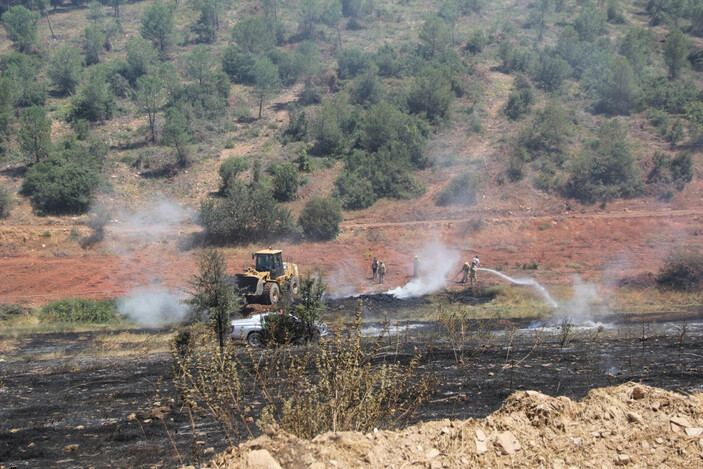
<point>606,170</point>
<point>320,218</point>
<point>238,64</point>
<point>431,94</point>
<point>682,169</point>
<point>682,270</point>
<point>282,329</point>
<point>6,201</point>
<point>9,312</point>
<point>351,62</point>
<point>659,119</point>
<point>230,169</point>
<point>590,23</point>
<point>60,186</point>
<point>66,69</point>
<point>285,182</point>
<point>549,71</point>
<point>94,101</point>
<point>477,41</point>
<point>512,58</point>
<point>672,96</point>
<point>21,26</point>
<point>519,103</point>
<point>367,87</point>
<point>80,310</point>
<point>245,213</point>
<point>355,191</point>
<point>461,190</point>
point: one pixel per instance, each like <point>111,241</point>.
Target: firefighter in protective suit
<point>474,268</point>
<point>465,270</point>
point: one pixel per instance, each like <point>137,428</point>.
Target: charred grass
<point>120,397</point>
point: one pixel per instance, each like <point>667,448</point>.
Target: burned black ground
<point>124,412</point>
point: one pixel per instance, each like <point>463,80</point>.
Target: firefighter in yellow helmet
<point>465,270</point>
<point>416,265</point>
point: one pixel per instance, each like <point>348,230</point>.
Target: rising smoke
<point>151,304</point>
<point>156,219</point>
<point>153,307</point>
<point>578,307</point>
<point>437,263</point>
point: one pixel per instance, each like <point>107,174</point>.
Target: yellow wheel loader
<point>268,278</point>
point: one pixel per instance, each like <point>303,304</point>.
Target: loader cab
<point>269,261</point>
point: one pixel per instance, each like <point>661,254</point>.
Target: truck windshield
<point>263,262</point>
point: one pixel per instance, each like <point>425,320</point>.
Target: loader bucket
<point>250,284</point>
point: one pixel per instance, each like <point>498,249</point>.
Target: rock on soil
<point>624,426</point>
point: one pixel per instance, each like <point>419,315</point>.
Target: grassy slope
<point>454,147</point>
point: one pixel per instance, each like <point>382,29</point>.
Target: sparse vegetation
<point>320,218</point>
<point>334,386</point>
<point>682,270</point>
<point>6,201</point>
<point>80,310</point>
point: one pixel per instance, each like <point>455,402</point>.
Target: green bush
<point>94,101</point>
<point>519,103</point>
<point>80,310</point>
<point>238,64</point>
<point>682,169</point>
<point>369,176</point>
<point>230,169</point>
<point>606,169</point>
<point>659,119</point>
<point>285,182</point>
<point>590,23</point>
<point>320,218</point>
<point>351,62</point>
<point>682,270</point>
<point>21,27</point>
<point>477,41</point>
<point>9,312</point>
<point>512,58</point>
<point>461,190</point>
<point>6,201</point>
<point>672,96</point>
<point>282,329</point>
<point>66,69</point>
<point>244,214</point>
<point>431,94</point>
<point>355,190</point>
<point>548,71</point>
<point>61,186</point>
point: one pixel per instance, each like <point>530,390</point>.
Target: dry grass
<point>338,385</point>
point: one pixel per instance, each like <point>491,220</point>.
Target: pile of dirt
<point>628,425</point>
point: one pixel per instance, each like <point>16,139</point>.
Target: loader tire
<point>293,285</point>
<point>271,293</point>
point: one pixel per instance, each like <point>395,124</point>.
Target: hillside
<point>504,74</point>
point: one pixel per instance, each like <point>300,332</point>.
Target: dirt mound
<point>628,425</point>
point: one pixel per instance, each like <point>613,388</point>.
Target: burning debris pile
<point>628,425</point>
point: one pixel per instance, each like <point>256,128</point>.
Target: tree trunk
<point>261,105</point>
<point>152,124</point>
<point>53,36</point>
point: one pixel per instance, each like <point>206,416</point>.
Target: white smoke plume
<point>578,308</point>
<point>153,307</point>
<point>149,304</point>
<point>156,218</point>
<point>437,263</point>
